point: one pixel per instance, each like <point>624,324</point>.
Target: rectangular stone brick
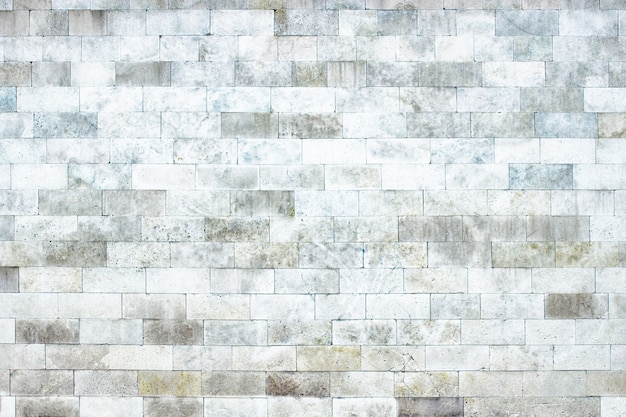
<point>113,332</point>
<point>543,176</point>
<point>53,406</point>
<point>520,254</point>
<point>185,407</point>
<point>172,332</point>
<point>106,383</point>
<point>42,383</point>
<point>577,74</point>
<point>416,407</point>
<point>328,358</point>
<point>9,279</point>
<point>218,307</point>
<point>153,306</point>
<point>450,74</point>
<point>47,331</point>
<point>527,22</point>
<point>534,406</point>
<point>513,74</point>
<point>230,384</point>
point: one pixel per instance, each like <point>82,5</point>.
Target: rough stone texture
<point>312,208</point>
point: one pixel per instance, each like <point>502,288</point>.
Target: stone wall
<point>312,208</point>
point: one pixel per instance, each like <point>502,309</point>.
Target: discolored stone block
<point>47,406</point>
<point>42,383</point>
<point>9,279</point>
<point>174,407</point>
<point>169,383</point>
<point>328,358</point>
<point>430,407</point>
<point>541,176</point>
<point>218,383</point>
<point>47,331</point>
<point>576,306</point>
<point>14,74</point>
<point>142,73</point>
<point>172,332</point>
<point>75,253</point>
<point>228,229</point>
<point>88,22</point>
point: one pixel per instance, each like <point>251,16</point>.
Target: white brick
<point>588,22</point>
<point>50,280</point>
<point>178,22</point>
<point>43,176</point>
<point>121,280</point>
<point>296,99</point>
<point>178,280</point>
<point>513,74</point>
<point>457,358</point>
<point>111,407</point>
<point>454,48</point>
<point>93,74</point>
<point>139,357</point>
<point>174,99</point>
<point>242,22</point>
<point>235,407</point>
<point>97,99</point>
<point>568,151</point>
<point>29,306</point>
<point>162,176</point>
<point>238,99</point>
<point>7,331</point>
<point>282,307</point>
<point>397,306</point>
<point>605,100</point>
<point>550,332</point>
<point>576,358</point>
<point>90,306</point>
<point>111,332</point>
<point>374,125</point>
<point>334,151</point>
<point>47,99</point>
<point>413,176</point>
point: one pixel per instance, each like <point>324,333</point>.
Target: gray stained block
<point>220,383</point>
<point>430,407</point>
<point>576,306</point>
<point>9,279</point>
<point>298,384</point>
<point>15,74</point>
<point>172,332</point>
<point>47,406</point>
<point>47,331</point>
<point>165,406</point>
<point>541,176</point>
<point>249,125</point>
<point>142,73</point>
<point>306,22</point>
<point>75,253</point>
<point>309,74</point>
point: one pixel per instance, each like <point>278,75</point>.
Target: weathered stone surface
<point>442,406</point>
<point>232,384</point>
<point>169,383</point>
<point>179,407</point>
<point>172,332</point>
<point>47,406</point>
<point>579,306</point>
<point>47,331</point>
<point>9,279</point>
<point>105,383</point>
<point>41,383</point>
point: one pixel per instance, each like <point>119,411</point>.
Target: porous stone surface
<point>334,208</point>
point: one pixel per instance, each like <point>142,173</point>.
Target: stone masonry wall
<point>312,208</point>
